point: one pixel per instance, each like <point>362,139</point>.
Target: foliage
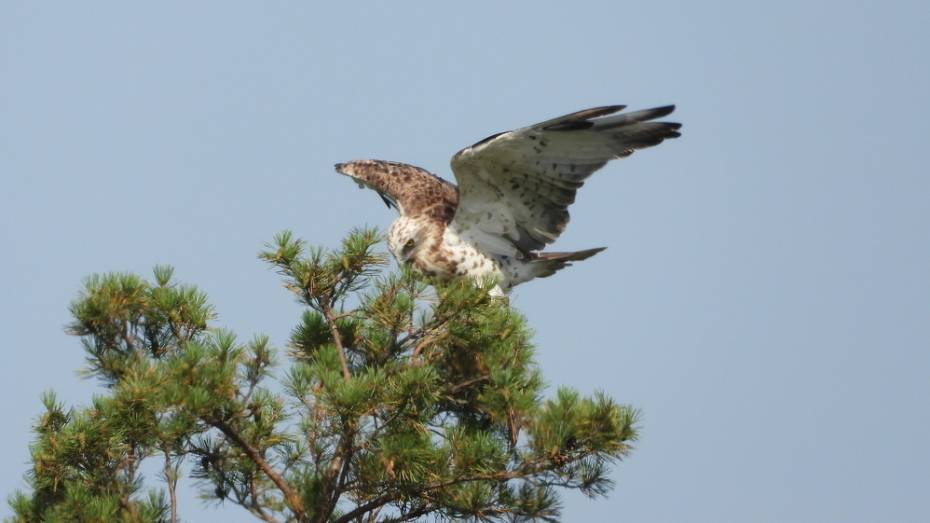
<point>401,399</point>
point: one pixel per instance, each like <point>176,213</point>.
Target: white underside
<point>506,270</point>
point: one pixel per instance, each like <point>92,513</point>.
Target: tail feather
<point>548,263</point>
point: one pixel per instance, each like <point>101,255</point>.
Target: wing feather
<point>519,184</point>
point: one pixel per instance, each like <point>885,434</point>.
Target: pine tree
<point>401,399</point>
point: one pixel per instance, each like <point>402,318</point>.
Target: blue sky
<point>765,298</point>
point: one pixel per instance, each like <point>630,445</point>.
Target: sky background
<point>765,298</point>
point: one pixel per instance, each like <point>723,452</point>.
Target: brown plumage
<point>415,191</point>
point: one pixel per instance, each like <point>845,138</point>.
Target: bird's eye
<point>408,245</point>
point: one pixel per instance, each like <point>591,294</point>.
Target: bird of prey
<point>512,198</point>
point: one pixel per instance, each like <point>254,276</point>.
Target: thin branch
<point>337,338</point>
<point>431,337</point>
<point>344,315</point>
<point>171,478</point>
<point>514,428</point>
<point>527,469</point>
<point>349,451</point>
<point>413,514</point>
<point>176,332</point>
<point>371,505</point>
<point>130,343</point>
<point>373,515</point>
<point>386,422</point>
<point>257,512</point>
<point>339,469</point>
<point>290,496</point>
<point>468,383</point>
<point>419,348</point>
<point>255,507</point>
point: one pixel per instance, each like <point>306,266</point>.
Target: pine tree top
<point>399,398</point>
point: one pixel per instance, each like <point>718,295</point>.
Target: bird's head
<point>407,237</point>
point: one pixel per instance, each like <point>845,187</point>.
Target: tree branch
<point>256,507</point>
<point>290,496</point>
<point>468,383</point>
<point>413,514</point>
<point>344,315</point>
<point>514,429</point>
<point>339,469</point>
<point>432,334</point>
<point>392,496</point>
<point>130,343</point>
<point>337,339</point>
<point>171,478</point>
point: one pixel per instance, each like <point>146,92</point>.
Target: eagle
<point>514,190</point>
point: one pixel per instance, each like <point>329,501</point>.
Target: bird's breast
<point>466,259</point>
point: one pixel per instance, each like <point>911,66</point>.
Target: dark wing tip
<point>486,140</point>
<point>671,129</point>
<point>587,253</point>
<point>603,110</point>
<point>579,119</point>
<point>659,112</point>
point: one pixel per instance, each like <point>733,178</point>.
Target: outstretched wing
<point>515,187</point>
<point>412,190</point>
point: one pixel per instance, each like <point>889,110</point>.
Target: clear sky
<point>765,298</point>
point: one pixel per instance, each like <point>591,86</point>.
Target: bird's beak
<point>345,169</point>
